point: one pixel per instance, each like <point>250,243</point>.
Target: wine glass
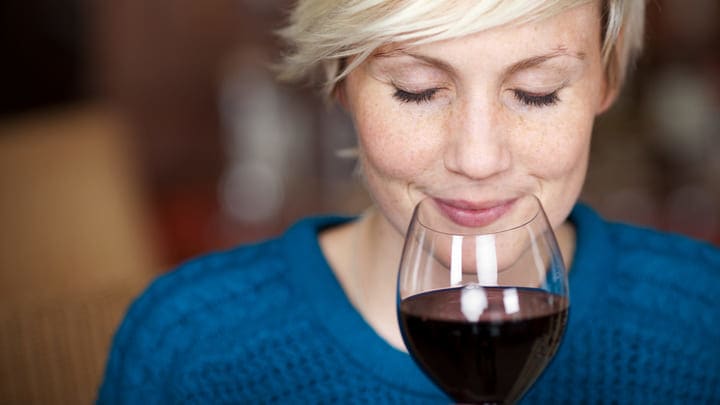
<point>482,292</point>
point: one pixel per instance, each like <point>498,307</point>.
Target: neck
<point>566,238</point>
<point>364,256</point>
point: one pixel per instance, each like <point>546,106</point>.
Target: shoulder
<point>203,287</point>
<point>186,302</point>
<point>174,312</point>
<point>644,303</point>
<point>205,278</point>
<point>668,274</point>
<point>634,244</point>
<point>644,271</point>
<point>204,282</point>
<point>224,295</point>
<point>649,248</point>
<point>649,272</point>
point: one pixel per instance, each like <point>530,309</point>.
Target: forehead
<point>574,32</point>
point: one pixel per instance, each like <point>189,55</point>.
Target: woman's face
<point>508,107</point>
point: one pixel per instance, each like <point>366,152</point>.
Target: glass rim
<point>538,210</point>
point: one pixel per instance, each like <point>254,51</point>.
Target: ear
<point>612,77</point>
<point>338,94</point>
<point>610,92</point>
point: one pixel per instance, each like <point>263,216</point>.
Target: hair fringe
<point>322,34</point>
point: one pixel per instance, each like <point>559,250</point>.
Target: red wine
<point>492,360</point>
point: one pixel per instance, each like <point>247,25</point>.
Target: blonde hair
<point>324,34</point>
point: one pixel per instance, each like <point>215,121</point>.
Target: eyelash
<point>529,99</point>
<point>408,97</point>
<point>537,100</point>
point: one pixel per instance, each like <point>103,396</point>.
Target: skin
<point>511,106</point>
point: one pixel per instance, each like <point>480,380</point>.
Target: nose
<point>478,145</point>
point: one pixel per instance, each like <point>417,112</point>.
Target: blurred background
<point>136,134</point>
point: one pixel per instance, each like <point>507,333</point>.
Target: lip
<point>474,214</point>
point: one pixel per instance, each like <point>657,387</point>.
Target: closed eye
<point>536,100</point>
<point>409,97</point>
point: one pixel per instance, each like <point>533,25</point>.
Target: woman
<point>441,93</point>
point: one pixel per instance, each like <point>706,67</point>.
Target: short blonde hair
<point>323,34</point>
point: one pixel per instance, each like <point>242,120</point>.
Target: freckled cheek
<point>559,148</point>
<point>398,145</point>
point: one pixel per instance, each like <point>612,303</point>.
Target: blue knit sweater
<point>269,323</point>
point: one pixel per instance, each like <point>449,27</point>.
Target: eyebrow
<point>516,67</point>
<point>424,58</point>
<point>539,59</point>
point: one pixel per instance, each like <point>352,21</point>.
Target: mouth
<point>474,214</point>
